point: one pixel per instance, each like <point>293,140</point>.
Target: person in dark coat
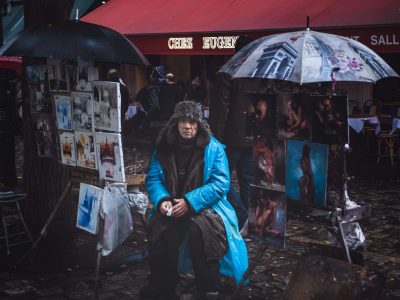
<point>192,224</point>
<point>231,114</point>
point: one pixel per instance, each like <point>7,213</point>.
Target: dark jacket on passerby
<point>169,94</point>
<point>231,109</point>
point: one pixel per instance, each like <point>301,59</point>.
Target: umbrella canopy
<point>74,39</point>
<point>308,56</point>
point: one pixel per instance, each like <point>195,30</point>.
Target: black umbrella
<point>75,39</point>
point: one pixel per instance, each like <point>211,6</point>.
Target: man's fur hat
<point>184,110</point>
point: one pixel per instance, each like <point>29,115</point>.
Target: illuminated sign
<point>219,42</point>
<point>180,43</point>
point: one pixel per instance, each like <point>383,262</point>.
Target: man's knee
<point>195,237</point>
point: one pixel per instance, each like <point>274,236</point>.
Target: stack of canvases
<point>293,133</point>
<point>88,120</point>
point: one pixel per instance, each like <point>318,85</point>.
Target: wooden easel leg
<point>44,229</point>
<point>250,269</point>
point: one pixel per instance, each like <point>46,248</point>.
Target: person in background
<point>192,224</point>
<point>196,92</point>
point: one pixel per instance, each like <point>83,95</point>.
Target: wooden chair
<point>386,147</point>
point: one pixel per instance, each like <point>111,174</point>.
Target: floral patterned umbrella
<point>308,56</point>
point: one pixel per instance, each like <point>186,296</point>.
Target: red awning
<point>161,18</point>
<point>11,62</point>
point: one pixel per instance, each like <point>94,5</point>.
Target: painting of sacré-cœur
<point>88,207</point>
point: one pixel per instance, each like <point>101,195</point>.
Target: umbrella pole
<point>99,246</point>
<point>44,229</point>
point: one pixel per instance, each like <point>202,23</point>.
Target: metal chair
<point>11,219</point>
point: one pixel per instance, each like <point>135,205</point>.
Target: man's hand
<point>180,208</point>
<point>166,208</point>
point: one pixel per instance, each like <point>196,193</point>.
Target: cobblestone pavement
<point>63,267</point>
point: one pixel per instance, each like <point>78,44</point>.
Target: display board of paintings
<point>89,207</point>
<point>267,216</point>
<point>109,156</point>
<point>57,75</point>
<point>107,106</point>
<point>306,172</point>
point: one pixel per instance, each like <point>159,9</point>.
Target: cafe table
<point>357,122</point>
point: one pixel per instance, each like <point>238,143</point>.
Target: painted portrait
<point>306,172</point>
<point>294,116</point>
<point>88,207</point>
<point>329,120</point>
<point>267,216</point>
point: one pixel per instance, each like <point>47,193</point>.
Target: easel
<point>44,229</point>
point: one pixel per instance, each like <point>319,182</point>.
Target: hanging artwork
<point>267,215</point>
<point>90,198</point>
<point>329,119</point>
<point>109,156</point>
<point>261,116</point>
<point>45,136</point>
<point>57,75</point>
<point>85,149</point>
<point>306,172</point>
<point>68,153</point>
<point>40,101</point>
<point>294,121</point>
<point>270,157</point>
<point>86,73</point>
<point>63,112</point>
<point>82,113</point>
<point>107,106</point>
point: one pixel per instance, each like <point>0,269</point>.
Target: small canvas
<point>267,216</point>
<point>82,110</point>
<point>85,149</point>
<point>57,75</point>
<point>107,106</point>
<point>63,112</point>
<point>68,153</point>
<point>45,135</point>
<point>86,73</point>
<point>36,74</point>
<point>306,172</point>
<point>40,101</point>
<point>90,198</point>
<point>109,156</point>
<point>294,116</point>
<point>270,157</point>
<point>329,119</point>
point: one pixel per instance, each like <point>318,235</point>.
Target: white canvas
<point>86,73</point>
<point>63,112</point>
<point>90,198</point>
<point>85,150</point>
<point>67,146</point>
<point>109,156</point>
<point>82,113</point>
<point>107,106</point>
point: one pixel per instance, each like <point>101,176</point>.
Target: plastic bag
<point>137,200</point>
<point>117,217</point>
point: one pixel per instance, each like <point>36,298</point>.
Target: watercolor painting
<point>107,106</point>
<point>90,198</point>
<point>109,156</point>
<point>57,75</point>
<point>63,112</point>
<point>68,153</point>
<point>45,135</point>
<point>82,111</point>
<point>85,150</point>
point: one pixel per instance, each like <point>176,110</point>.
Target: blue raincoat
<point>216,183</point>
